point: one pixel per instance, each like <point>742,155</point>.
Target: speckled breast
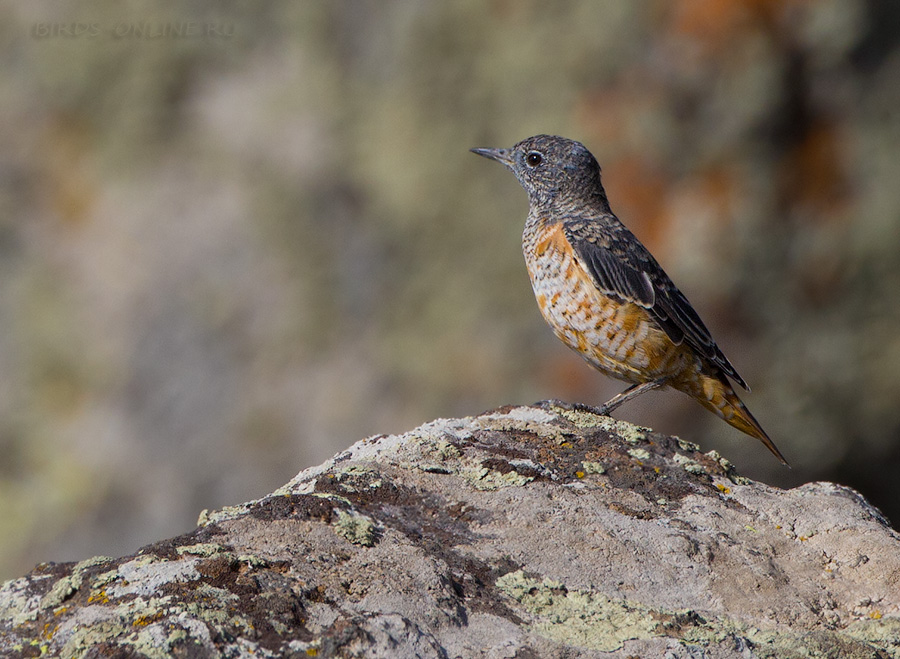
<point>619,339</point>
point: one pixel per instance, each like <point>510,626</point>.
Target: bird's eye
<point>534,159</point>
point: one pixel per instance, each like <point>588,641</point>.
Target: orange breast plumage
<point>618,338</point>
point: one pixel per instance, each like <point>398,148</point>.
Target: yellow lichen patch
<point>146,619</point>
<point>724,489</point>
<point>99,597</point>
<point>44,649</point>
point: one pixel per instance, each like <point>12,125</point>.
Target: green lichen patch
<point>357,477</point>
<point>441,457</point>
<point>878,631</point>
<point>66,586</point>
<point>686,446</point>
<point>62,590</point>
<point>208,517</point>
<point>355,528</point>
<point>576,617</point>
<point>788,644</point>
<point>578,417</point>
<point>330,496</point>
<point>146,575</point>
<point>17,603</point>
<point>690,465</point>
<point>81,566</point>
<point>252,561</point>
<point>639,454</point>
<point>530,420</point>
<point>728,468</point>
<point>483,478</point>
<point>204,549</point>
<point>631,433</point>
<point>155,626</point>
<point>591,619</point>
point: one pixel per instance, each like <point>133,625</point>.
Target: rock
<point>523,532</point>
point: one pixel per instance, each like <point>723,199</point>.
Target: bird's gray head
<point>552,169</point>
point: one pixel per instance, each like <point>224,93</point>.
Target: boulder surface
<point>523,532</point>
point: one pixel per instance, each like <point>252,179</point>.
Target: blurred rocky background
<point>236,238</point>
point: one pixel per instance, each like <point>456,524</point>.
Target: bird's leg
<point>632,392</point>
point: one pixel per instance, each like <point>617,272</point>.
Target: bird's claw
<point>602,410</point>
<point>573,407</point>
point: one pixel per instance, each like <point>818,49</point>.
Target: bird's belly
<point>619,339</point>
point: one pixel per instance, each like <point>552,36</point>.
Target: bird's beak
<point>500,155</point>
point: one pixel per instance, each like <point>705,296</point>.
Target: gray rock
<point>523,532</point>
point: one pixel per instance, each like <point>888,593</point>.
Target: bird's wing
<point>622,268</point>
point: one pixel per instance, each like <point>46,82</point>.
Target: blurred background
<point>236,238</point>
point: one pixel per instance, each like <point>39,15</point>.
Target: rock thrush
<point>603,293</point>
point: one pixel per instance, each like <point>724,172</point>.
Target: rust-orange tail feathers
<point>716,394</point>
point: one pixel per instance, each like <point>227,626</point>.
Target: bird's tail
<point>717,395</point>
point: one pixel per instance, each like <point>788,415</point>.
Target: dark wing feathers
<point>622,268</point>
<point>612,278</point>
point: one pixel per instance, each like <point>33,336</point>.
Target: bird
<point>604,294</point>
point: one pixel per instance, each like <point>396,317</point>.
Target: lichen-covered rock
<point>523,532</point>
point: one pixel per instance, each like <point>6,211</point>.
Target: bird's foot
<point>602,410</point>
<point>573,407</point>
<point>553,402</point>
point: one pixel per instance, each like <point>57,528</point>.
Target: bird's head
<point>551,169</point>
